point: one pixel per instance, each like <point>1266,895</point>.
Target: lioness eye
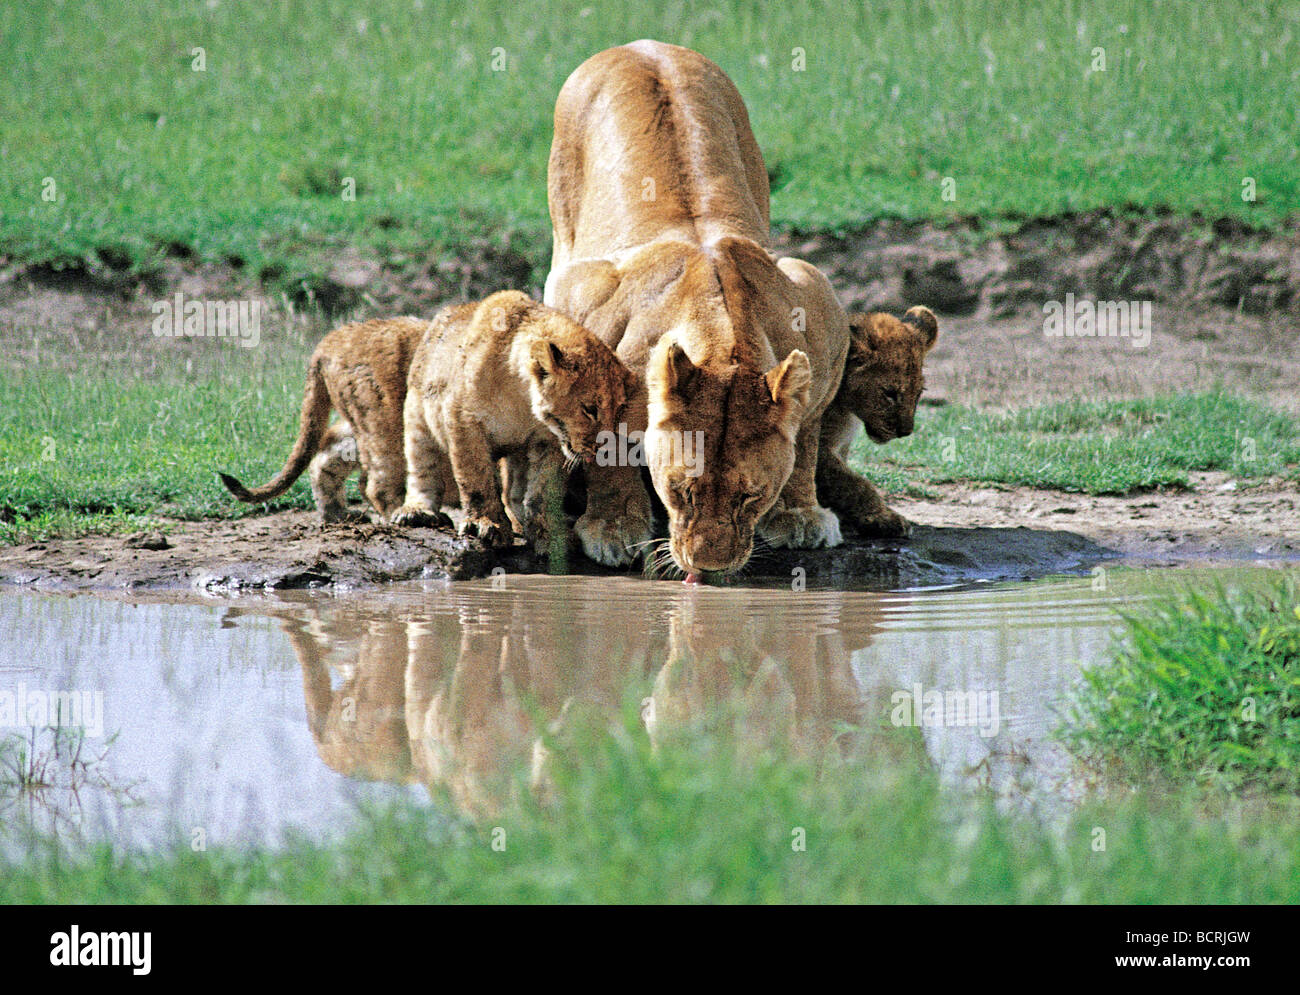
<point>891,395</point>
<point>590,411</point>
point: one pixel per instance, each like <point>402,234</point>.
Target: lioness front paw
<point>886,524</point>
<point>801,528</point>
<point>419,517</point>
<point>615,543</point>
<point>496,534</point>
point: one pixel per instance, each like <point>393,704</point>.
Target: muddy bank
<point>290,550</point>
<point>1215,519</point>
<point>963,267</point>
<point>964,532</point>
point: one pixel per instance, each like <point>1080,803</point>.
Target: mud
<point>291,550</point>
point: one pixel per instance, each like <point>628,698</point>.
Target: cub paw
<point>801,528</point>
<point>417,517</point>
<point>615,543</point>
<point>340,515</point>
<point>491,533</point>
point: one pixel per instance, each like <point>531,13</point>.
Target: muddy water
<point>232,721</point>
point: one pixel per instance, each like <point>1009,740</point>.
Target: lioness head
<point>720,446</point>
<point>579,391</point>
<point>883,377</point>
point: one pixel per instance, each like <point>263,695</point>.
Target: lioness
<point>883,380</point>
<point>359,370</point>
<point>512,378</point>
<point>659,201</point>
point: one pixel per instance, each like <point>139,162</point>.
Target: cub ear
<point>864,335</point>
<point>671,370</point>
<point>923,320</point>
<point>547,358</point>
<point>790,379</point>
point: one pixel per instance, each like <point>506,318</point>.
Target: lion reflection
<point>458,693</point>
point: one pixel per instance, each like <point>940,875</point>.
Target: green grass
<point>1094,447</point>
<point>106,452</point>
<point>100,451</point>
<point>699,824</point>
<point>247,159</point>
<point>1204,687</point>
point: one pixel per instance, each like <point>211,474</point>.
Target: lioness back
<point>507,377</point>
<point>360,371</point>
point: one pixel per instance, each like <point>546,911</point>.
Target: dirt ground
<point>1216,519</point>
<point>1225,313</point>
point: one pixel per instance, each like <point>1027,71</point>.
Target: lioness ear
<point>789,380</point>
<point>923,320</point>
<point>672,370</point>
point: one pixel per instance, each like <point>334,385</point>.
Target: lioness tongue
<point>692,579</point>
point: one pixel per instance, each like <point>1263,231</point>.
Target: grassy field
<point>1093,447</point>
<point>103,451</point>
<point>441,114</point>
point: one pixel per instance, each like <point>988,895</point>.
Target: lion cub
<point>882,382</point>
<point>507,377</point>
<point>360,370</point>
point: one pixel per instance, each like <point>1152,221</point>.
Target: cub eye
<point>749,498</point>
<point>590,411</point>
<point>891,395</point>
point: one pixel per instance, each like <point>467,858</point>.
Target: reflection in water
<point>219,712</point>
<point>44,776</point>
<point>458,691</point>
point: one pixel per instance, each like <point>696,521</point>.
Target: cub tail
<point>311,428</point>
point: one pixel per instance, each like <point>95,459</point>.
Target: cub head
<point>720,446</point>
<point>579,391</point>
<point>883,377</point>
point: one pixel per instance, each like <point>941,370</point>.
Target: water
<point>235,720</point>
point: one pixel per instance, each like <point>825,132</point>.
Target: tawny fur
<point>674,244</point>
<point>360,371</point>
<point>506,378</point>
<point>883,379</point>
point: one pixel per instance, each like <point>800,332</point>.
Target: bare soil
<point>1225,313</point>
<point>1217,518</point>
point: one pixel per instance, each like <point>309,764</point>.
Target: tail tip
<point>232,485</point>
